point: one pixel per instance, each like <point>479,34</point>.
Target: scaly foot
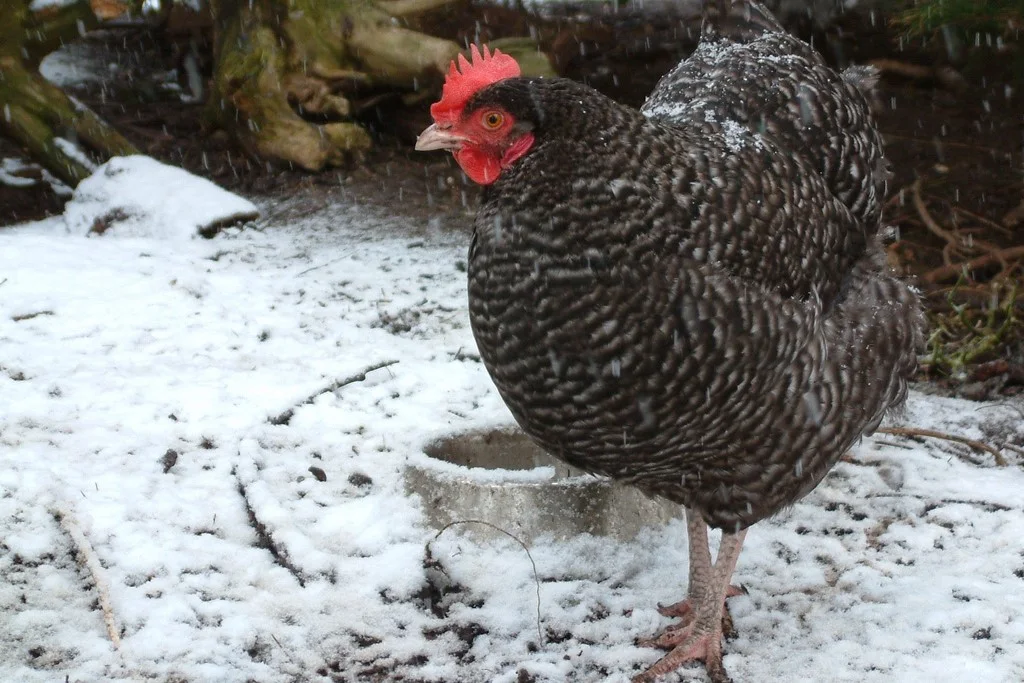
<point>688,645</point>
<point>684,608</point>
<point>698,636</point>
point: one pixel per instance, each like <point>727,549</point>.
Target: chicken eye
<point>492,120</point>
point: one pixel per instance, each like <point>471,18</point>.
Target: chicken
<point>690,299</point>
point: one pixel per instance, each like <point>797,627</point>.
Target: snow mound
<point>137,196</point>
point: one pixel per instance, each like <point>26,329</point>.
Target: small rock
<point>359,479</point>
<point>169,460</point>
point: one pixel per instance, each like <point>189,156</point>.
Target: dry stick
<point>536,576</point>
<point>953,242</point>
<point>981,219</point>
<point>87,557</point>
<point>933,226</point>
<point>286,417</point>
<point>1014,216</point>
<point>976,244</point>
<point>1002,404</point>
<point>894,444</point>
<point>954,269</point>
<point>977,445</point>
<point>264,538</point>
<point>944,143</point>
<point>1015,449</point>
<point>946,76</point>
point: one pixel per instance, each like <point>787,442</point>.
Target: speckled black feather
<point>772,82</point>
<point>693,301</point>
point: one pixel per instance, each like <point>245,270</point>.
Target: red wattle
<point>482,168</point>
<point>517,149</point>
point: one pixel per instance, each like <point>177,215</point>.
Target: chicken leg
<point>699,634</point>
<point>700,574</point>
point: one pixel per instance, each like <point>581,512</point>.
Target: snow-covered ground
<point>142,480</point>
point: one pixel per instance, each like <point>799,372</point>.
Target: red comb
<point>463,81</point>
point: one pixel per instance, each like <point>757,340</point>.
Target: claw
<point>677,610</point>
<point>689,647</point>
<point>684,610</point>
<point>670,637</point>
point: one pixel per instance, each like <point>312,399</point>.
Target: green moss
<point>964,335</point>
<point>924,17</point>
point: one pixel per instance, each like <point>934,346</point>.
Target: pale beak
<point>437,138</point>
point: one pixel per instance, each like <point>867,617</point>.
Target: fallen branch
<point>88,559</point>
<point>286,417</point>
<point>915,431</point>
<point>954,270</point>
<point>263,536</point>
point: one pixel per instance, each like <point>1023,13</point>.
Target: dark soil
<point>957,141</point>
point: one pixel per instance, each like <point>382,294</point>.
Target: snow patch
<point>20,173</point>
<point>74,64</point>
<point>136,382</point>
<point>74,152</point>
<point>17,173</point>
<point>137,196</point>
<point>737,136</point>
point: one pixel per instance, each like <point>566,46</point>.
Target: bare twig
<point>946,76</point>
<point>536,576</point>
<point>1002,404</point>
<point>1015,216</point>
<point>952,241</point>
<point>916,431</point>
<point>286,417</point>
<point>263,536</point>
<point>322,265</point>
<point>981,219</point>
<point>88,559</point>
<point>985,505</point>
<point>298,665</point>
<point>894,444</point>
<point>945,143</point>
<point>1016,449</point>
<point>955,269</point>
<point>29,316</point>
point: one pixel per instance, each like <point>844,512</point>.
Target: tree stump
<point>284,72</point>
<point>34,112</point>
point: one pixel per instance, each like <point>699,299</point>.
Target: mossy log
<point>284,71</point>
<point>35,113</point>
